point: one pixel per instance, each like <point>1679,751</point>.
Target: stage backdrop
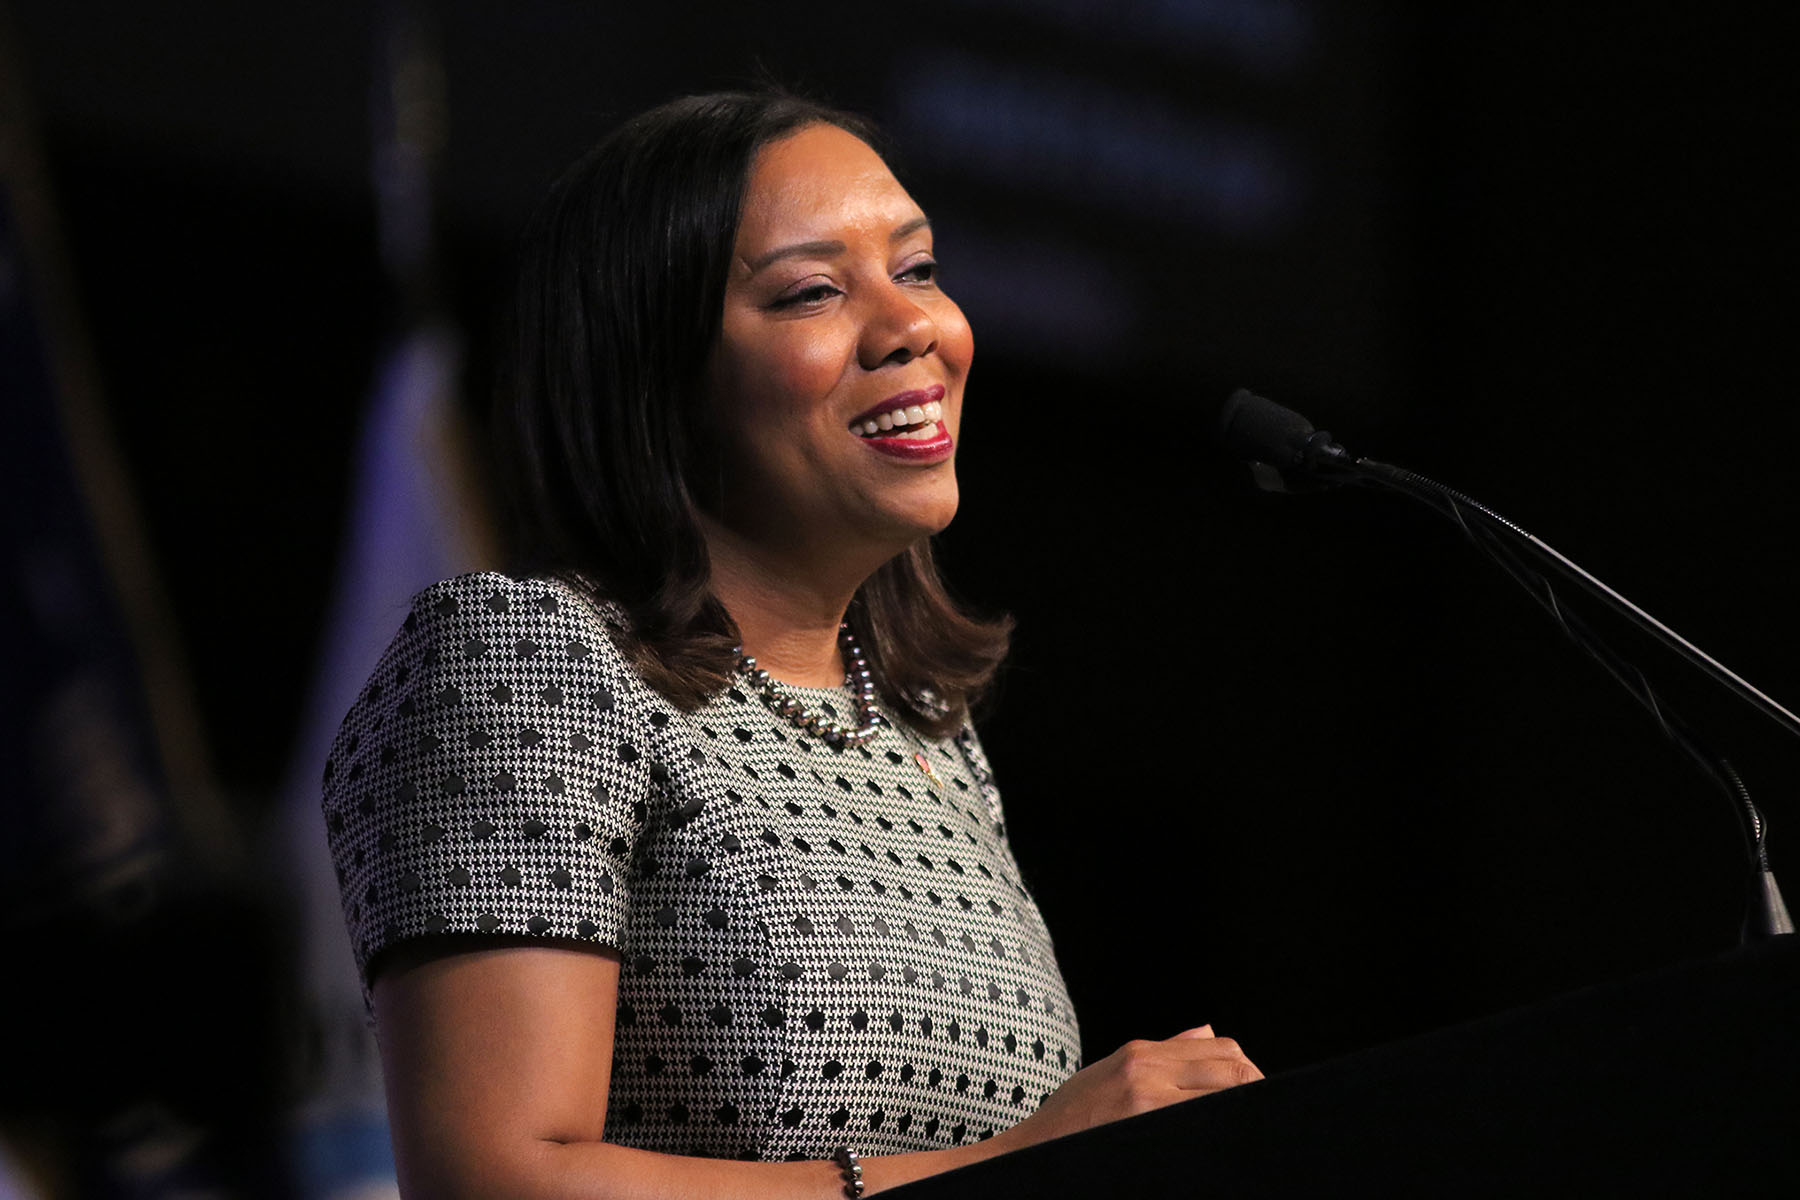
<point>1304,767</point>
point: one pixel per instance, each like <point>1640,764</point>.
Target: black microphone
<point>1283,449</point>
<point>1287,454</point>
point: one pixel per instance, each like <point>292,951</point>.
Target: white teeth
<point>913,421</point>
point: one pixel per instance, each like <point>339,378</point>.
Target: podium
<point>1684,1082</point>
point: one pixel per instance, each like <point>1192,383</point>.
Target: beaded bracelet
<point>852,1166</point>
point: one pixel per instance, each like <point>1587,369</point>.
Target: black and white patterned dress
<point>820,947</point>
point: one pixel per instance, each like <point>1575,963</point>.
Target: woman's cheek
<point>817,361</point>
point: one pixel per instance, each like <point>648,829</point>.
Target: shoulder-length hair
<point>598,417</point>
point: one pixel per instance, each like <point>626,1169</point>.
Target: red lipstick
<point>931,449</point>
<point>935,448</point>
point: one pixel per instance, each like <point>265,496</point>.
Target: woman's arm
<point>497,1062</point>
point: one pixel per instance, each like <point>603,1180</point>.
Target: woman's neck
<point>788,619</point>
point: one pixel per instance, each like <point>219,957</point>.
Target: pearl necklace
<point>786,705</point>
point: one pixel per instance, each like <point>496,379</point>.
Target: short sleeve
<point>493,774</point>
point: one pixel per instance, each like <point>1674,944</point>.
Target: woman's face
<point>834,326</point>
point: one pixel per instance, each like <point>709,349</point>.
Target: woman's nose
<point>898,331</point>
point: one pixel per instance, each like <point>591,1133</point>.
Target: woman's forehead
<point>820,182</point>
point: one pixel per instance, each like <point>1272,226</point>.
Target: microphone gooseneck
<point>1286,453</point>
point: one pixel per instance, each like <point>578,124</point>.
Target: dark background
<point>1304,767</point>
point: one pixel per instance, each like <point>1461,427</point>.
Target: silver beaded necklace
<point>786,705</point>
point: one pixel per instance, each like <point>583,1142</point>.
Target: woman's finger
<point>1195,1061</point>
<point>1201,1031</point>
<point>1212,1074</point>
<point>1191,1049</point>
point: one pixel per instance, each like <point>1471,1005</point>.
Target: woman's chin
<point>927,515</point>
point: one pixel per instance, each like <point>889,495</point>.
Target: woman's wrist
<point>850,1163</point>
<point>1028,1132</point>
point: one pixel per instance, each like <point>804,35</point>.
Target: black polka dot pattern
<point>819,946</point>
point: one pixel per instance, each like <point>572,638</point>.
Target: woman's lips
<point>909,426</point>
<point>932,447</point>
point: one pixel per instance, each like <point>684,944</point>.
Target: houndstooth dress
<point>820,947</point>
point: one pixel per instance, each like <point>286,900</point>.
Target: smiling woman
<point>832,317</point>
<point>674,846</point>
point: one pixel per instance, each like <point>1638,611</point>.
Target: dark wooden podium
<point>1685,1082</point>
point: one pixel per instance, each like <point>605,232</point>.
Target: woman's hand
<point>1135,1078</point>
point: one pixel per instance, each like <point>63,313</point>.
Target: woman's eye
<point>923,272</point>
<point>815,294</point>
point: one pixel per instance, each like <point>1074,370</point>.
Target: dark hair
<point>597,419</point>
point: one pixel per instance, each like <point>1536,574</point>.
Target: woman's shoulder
<point>536,620</point>
<point>484,641</point>
<point>493,598</point>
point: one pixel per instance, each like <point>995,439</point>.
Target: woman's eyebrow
<point>827,249</point>
<point>797,250</point>
<point>912,226</point>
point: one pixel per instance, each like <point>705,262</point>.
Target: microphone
<point>1286,453</point>
<point>1281,446</point>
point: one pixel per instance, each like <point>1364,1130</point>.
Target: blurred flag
<point>412,522</point>
<point>415,517</point>
<point>85,805</point>
<point>137,1068</point>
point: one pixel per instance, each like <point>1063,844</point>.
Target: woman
<point>632,904</point>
